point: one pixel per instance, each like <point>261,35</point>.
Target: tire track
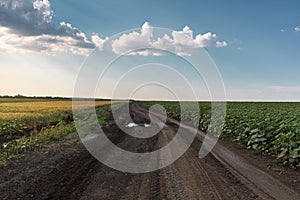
<point>155,185</point>
<point>213,188</point>
<point>76,174</point>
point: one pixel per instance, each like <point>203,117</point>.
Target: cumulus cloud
<point>134,40</point>
<point>180,42</point>
<point>28,26</point>
<point>297,29</point>
<point>98,41</point>
<point>43,7</point>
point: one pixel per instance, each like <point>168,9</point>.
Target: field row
<point>270,128</point>
<point>24,117</point>
<point>29,125</point>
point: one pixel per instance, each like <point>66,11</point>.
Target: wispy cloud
<point>286,88</point>
<point>27,26</point>
<point>268,93</point>
<point>297,28</point>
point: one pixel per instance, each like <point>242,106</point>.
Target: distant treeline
<point>19,96</point>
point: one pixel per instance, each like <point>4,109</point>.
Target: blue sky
<point>260,60</point>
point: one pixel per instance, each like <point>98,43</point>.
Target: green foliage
<point>45,136</point>
<point>14,126</point>
<point>41,130</point>
<point>272,128</point>
<point>32,123</point>
<point>103,113</point>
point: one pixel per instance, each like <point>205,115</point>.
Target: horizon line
<point>141,99</point>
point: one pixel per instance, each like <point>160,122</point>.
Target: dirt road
<point>67,171</point>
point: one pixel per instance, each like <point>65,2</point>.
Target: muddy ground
<point>66,170</point>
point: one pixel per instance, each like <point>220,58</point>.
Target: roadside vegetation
<point>25,126</point>
<point>269,128</point>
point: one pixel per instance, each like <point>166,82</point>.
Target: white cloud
<point>297,29</point>
<point>43,6</point>
<point>133,40</point>
<point>27,26</point>
<point>221,44</point>
<point>283,30</point>
<point>184,43</point>
<point>44,44</point>
<point>180,42</point>
<point>98,41</point>
<point>147,29</point>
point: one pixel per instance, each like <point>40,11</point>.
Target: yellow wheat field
<point>9,111</point>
